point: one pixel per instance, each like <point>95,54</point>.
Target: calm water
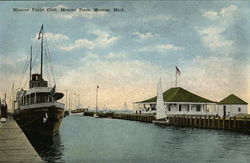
<point>87,139</point>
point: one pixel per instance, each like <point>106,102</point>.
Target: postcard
<point>71,70</point>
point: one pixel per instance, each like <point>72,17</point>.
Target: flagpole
<point>176,78</point>
<point>67,99</point>
<point>42,53</point>
<point>97,98</point>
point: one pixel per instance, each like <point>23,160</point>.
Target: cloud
<point>147,35</point>
<point>56,37</point>
<point>211,14</point>
<point>164,47</point>
<point>53,37</point>
<point>224,12</point>
<point>102,41</point>
<point>116,55</point>
<point>7,61</point>
<point>81,43</point>
<point>227,11</point>
<point>212,37</point>
<point>119,81</point>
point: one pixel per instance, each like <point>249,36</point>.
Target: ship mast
<point>96,106</point>
<point>41,33</point>
<point>30,61</point>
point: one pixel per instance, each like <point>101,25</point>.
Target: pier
<point>238,124</point>
<point>147,117</point>
<point>14,145</point>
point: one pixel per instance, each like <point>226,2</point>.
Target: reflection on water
<point>50,149</point>
<point>87,139</point>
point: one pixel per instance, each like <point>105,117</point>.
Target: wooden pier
<point>14,145</point>
<point>148,118</point>
<point>239,124</point>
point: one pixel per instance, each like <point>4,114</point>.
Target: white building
<point>178,101</point>
<point>231,106</point>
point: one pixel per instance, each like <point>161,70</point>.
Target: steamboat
<point>37,110</point>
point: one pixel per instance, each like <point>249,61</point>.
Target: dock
<point>237,123</point>
<point>14,145</point>
<point>144,117</point>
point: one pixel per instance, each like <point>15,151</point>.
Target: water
<point>87,139</point>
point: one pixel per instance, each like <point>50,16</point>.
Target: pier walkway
<point>14,145</point>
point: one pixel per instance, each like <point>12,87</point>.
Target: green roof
<point>232,99</point>
<point>179,95</point>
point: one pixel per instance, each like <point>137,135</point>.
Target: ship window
<point>179,107</point>
<point>239,109</point>
<point>38,98</point>
<point>198,108</point>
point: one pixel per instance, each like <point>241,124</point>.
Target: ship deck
<point>14,145</point>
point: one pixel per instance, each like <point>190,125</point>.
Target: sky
<point>126,53</point>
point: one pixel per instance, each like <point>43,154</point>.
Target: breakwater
<point>148,118</point>
<point>239,124</point>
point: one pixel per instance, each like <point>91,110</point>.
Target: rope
<point>24,70</point>
<point>34,61</point>
<point>49,60</point>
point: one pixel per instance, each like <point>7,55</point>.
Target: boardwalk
<point>14,146</point>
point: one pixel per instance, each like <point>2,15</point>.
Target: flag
<point>39,36</point>
<point>177,71</point>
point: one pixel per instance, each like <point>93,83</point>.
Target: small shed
<point>231,106</point>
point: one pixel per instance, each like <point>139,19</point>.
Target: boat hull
<point>77,111</point>
<point>44,120</point>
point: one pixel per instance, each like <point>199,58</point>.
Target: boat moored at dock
<point>37,109</point>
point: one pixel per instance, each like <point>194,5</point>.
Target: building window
<point>169,108</point>
<point>188,107</point>
<point>179,107</point>
<point>239,109</point>
<point>198,108</point>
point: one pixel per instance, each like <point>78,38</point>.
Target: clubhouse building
<point>178,101</point>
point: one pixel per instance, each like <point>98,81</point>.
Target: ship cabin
<point>232,106</point>
<point>178,101</point>
<point>39,92</point>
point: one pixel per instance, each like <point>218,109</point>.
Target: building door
<point>224,111</point>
